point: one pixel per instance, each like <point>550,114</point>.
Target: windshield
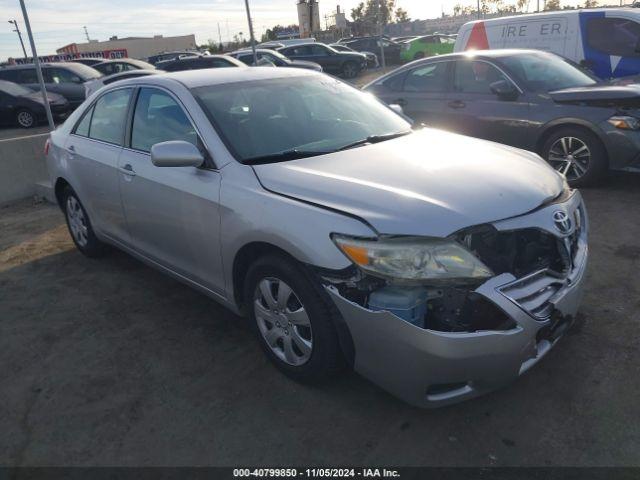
<point>307,115</point>
<point>546,73</point>
<point>14,89</point>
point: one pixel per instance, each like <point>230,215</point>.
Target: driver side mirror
<point>176,153</point>
<point>504,89</point>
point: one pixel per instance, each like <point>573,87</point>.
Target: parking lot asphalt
<point>109,362</point>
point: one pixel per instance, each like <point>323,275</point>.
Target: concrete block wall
<point>23,170</point>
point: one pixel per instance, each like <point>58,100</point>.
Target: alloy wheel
<point>25,119</point>
<point>570,156</point>
<point>283,321</point>
<point>350,71</point>
<point>77,222</point>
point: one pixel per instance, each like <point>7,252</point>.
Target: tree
<point>552,5</point>
<point>521,4</point>
<point>401,15</point>
<point>590,4</point>
<point>357,14</point>
<point>374,12</point>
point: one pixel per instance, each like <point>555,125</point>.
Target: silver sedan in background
<point>345,236</point>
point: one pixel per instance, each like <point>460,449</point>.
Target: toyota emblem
<point>562,221</point>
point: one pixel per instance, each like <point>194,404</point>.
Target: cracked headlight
<point>413,258</point>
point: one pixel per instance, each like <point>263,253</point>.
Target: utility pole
<point>219,34</point>
<point>17,30</point>
<point>253,41</point>
<point>479,14</point>
<point>36,61</point>
<point>384,63</point>
<point>86,34</point>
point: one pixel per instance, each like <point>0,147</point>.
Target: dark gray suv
<point>65,79</point>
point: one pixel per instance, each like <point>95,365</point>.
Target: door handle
<point>128,170</point>
<point>457,104</point>
<point>72,148</point>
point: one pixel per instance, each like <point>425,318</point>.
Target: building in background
<point>308,17</point>
<point>135,47</point>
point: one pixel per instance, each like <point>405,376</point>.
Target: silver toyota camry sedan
<point>438,266</point>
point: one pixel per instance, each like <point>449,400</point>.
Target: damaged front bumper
<point>429,368</point>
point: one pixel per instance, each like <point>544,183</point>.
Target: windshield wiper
<point>375,139</point>
<point>293,154</point>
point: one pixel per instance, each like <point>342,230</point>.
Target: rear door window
<point>614,36</point>
<point>82,128</point>
<point>109,116</point>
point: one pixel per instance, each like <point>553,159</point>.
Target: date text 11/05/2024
<point>316,472</point>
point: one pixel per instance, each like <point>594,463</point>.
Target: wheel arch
<point>59,188</point>
<point>559,124</point>
<point>251,252</point>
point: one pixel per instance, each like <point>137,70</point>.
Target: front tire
<point>25,118</point>
<point>292,319</point>
<point>80,227</point>
<point>578,154</point>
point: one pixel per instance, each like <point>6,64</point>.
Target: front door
<point>172,212</point>
<point>473,109</point>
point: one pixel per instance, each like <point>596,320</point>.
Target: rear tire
<point>80,227</point>
<point>25,118</point>
<point>292,320</point>
<point>350,70</point>
<point>578,154</point>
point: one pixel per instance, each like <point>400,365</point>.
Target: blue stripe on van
<point>599,62</point>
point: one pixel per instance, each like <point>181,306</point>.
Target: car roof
<point>219,76</point>
<point>487,54</point>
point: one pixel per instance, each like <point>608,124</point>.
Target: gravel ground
<point>108,362</point>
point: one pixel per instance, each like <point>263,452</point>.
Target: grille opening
<point>519,252</point>
<point>460,310</point>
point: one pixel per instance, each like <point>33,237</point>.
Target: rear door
<point>172,212</point>
<point>421,91</point>
<point>473,109</point>
<point>92,150</point>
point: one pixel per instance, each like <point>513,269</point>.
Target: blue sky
<point>57,23</point>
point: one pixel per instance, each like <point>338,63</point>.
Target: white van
<point>605,40</point>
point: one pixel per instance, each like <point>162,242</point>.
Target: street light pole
<point>36,61</point>
<point>17,30</point>
<point>479,15</point>
<point>253,41</point>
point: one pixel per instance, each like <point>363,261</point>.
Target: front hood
<point>602,94</point>
<point>430,183</point>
